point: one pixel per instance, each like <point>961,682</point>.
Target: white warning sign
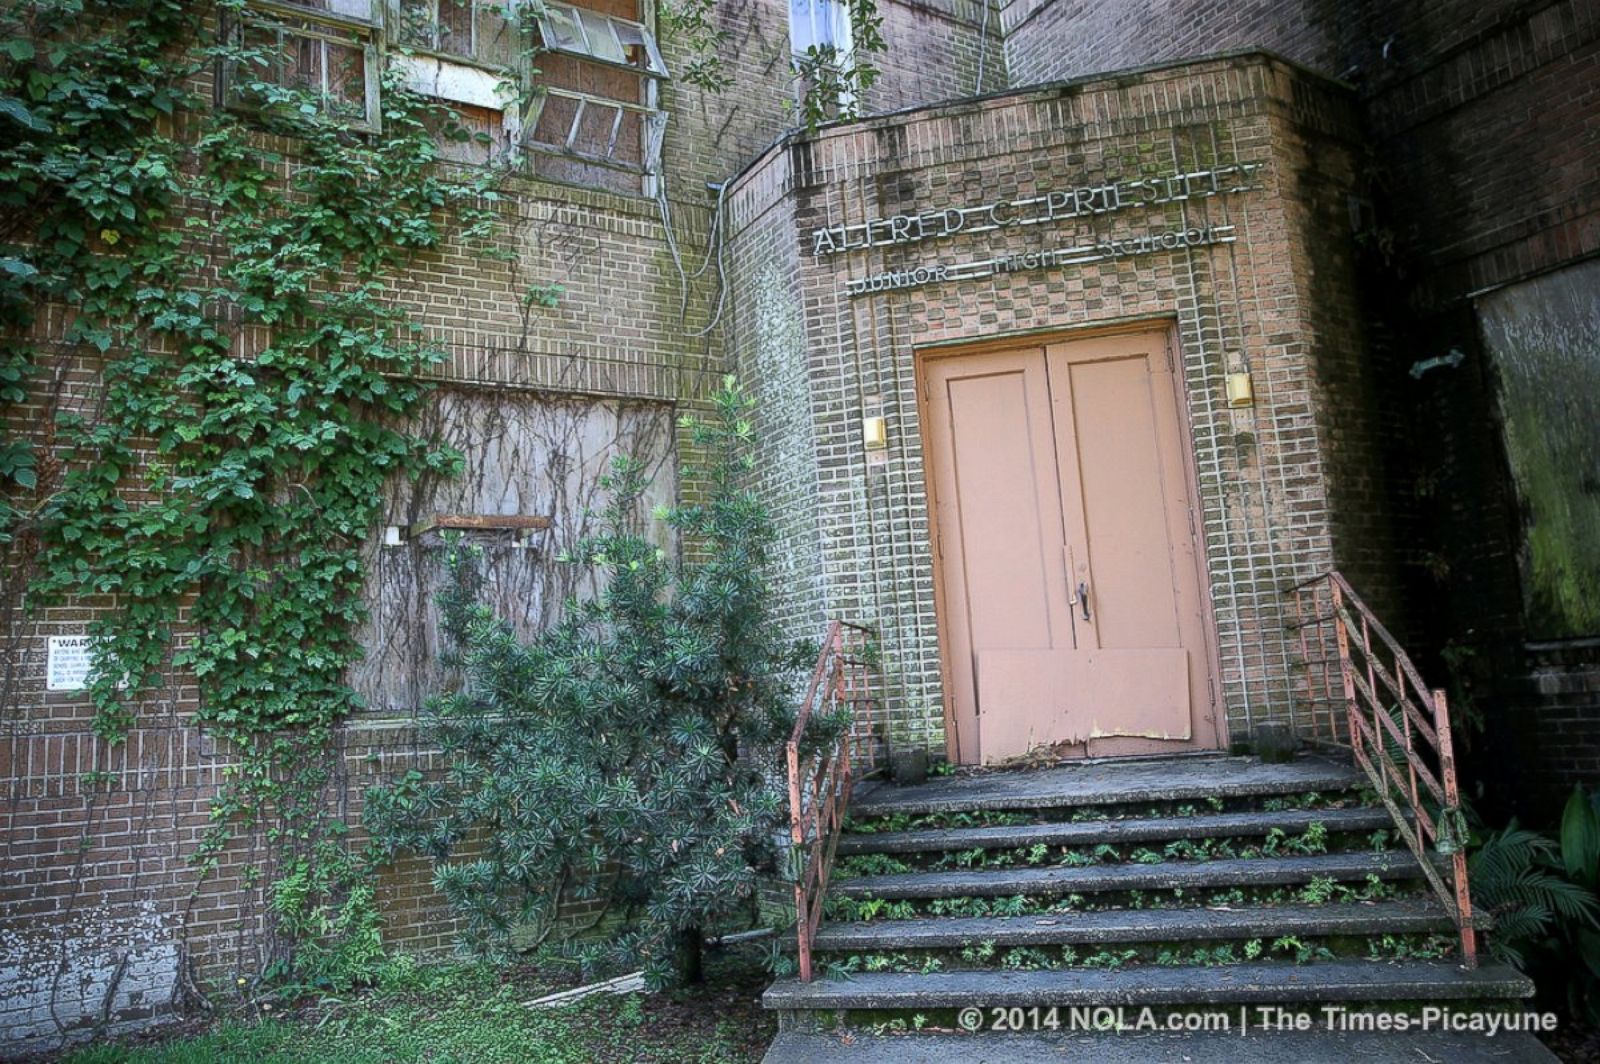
<point>67,662</point>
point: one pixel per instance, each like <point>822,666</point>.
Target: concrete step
<point>1320,1046</point>
<point>1165,875</point>
<point>1115,782</point>
<point>1137,925</point>
<point>1113,832</point>
<point>1264,982</point>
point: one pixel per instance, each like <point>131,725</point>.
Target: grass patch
<point>464,1014</point>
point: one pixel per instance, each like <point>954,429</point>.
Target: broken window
<point>484,31</point>
<point>439,25</point>
<point>601,37</point>
<point>467,133</point>
<point>818,25</point>
<point>591,116</point>
<point>324,51</point>
<point>593,119</point>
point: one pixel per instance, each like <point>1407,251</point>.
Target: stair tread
<point>1138,925</point>
<point>1265,981</point>
<point>1005,882</point>
<point>1110,783</point>
<point>1132,829</point>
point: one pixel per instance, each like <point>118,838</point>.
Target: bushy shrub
<point>624,763</point>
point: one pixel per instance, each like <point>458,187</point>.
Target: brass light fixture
<point>1241,392</point>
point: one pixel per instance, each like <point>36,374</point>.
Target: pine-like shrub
<point>624,764</point>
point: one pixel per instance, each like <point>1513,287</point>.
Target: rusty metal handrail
<point>820,781</point>
<point>1396,727</point>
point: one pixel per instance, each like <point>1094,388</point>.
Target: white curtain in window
<point>814,23</point>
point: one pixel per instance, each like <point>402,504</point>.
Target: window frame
<point>396,22</point>
<point>845,49</point>
<point>655,67</point>
<point>381,31</point>
<point>652,121</point>
<point>328,28</point>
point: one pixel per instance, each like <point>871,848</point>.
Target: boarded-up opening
<point>527,455</point>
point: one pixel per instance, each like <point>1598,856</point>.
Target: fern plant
<point>1515,877</point>
<point>1542,894</point>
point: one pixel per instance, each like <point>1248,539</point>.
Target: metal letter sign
<point>1051,207</point>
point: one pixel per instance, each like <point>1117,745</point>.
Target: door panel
<point>1118,477</point>
<point>1000,526</point>
<point>1120,446</point>
<point>1053,469</point>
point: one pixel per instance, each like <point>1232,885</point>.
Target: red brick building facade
<point>1256,195</point>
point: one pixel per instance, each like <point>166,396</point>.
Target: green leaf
<point>1580,839</point>
<point>12,108</point>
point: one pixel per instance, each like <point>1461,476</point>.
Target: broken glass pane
<point>602,42</point>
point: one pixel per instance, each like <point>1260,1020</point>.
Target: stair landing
<point>1106,783</point>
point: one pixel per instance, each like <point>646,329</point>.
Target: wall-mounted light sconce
<point>1241,392</point>
<point>874,433</point>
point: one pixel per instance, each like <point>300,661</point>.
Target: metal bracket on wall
<point>1452,360</point>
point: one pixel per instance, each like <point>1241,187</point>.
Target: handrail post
<point>797,832</point>
<point>819,786</point>
<point>1347,674</point>
<point>1450,813</point>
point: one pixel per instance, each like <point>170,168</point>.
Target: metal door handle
<point>1083,599</point>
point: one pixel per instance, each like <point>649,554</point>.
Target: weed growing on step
<point>1301,952</point>
<point>871,864</point>
<point>1319,891</point>
<point>1199,957</point>
<point>1311,800</point>
<point>1316,839</point>
<point>837,908</point>
<point>1110,959</point>
<point>1322,890</point>
<point>879,825</point>
<point>1410,947</point>
<point>986,954</point>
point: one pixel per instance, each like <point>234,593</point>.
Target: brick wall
<point>1254,303</point>
<point>1559,725</point>
<point>102,921</point>
<point>1480,122</point>
<point>1446,87</point>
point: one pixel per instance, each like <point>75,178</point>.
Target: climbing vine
<point>694,23</point>
<point>226,279</point>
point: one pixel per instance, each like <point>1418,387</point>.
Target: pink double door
<point>1071,610</point>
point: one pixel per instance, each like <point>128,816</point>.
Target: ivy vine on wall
<point>213,288</point>
<point>226,280</point>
